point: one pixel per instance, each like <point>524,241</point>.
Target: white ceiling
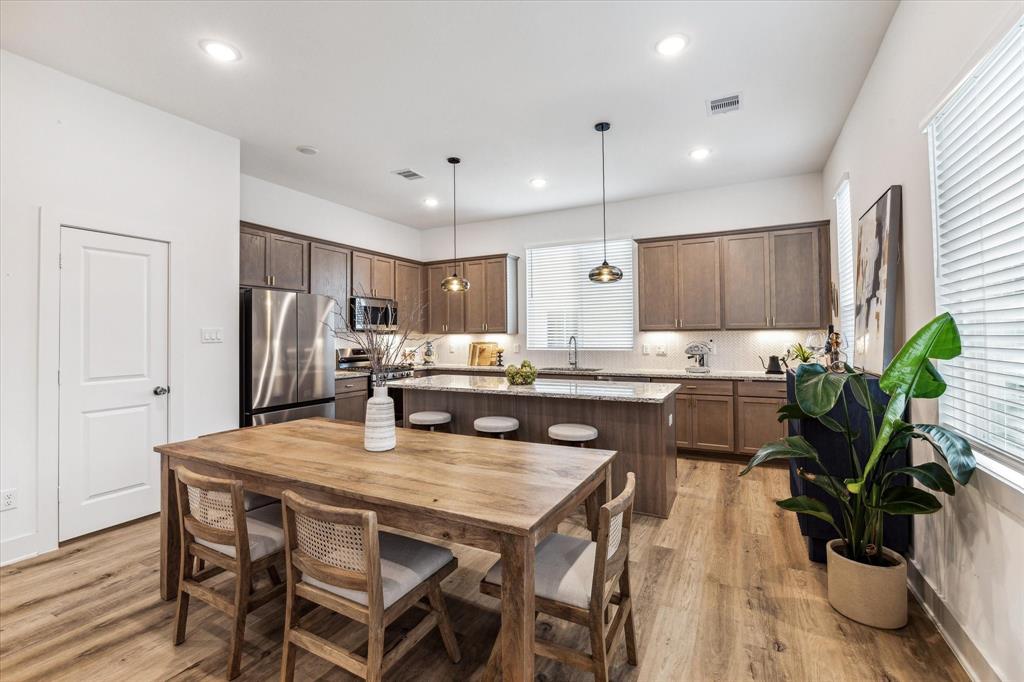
<point>512,87</point>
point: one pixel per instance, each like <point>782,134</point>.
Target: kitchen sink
<point>569,370</point>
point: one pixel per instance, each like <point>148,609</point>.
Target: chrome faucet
<point>573,353</point>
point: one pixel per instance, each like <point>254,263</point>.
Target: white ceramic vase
<point>379,431</point>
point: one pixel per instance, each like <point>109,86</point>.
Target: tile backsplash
<point>735,350</point>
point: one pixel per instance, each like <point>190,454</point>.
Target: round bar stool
<point>430,419</point>
<point>572,434</point>
<point>496,426</point>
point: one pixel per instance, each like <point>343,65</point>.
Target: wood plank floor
<point>724,592</point>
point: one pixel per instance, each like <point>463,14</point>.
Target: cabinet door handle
<point>767,323</point>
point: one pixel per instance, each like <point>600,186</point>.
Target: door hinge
<point>60,261</point>
<point>58,377</point>
<point>60,496</point>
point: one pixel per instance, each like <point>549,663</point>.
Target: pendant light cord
<point>455,239</point>
<point>604,209</point>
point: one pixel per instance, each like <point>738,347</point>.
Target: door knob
<point>161,390</point>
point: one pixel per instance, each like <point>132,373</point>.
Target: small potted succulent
<point>866,581</point>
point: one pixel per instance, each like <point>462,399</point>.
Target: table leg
<point>517,604</point>
<point>170,540</point>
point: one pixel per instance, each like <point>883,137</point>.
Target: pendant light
<point>453,283</point>
<point>604,272</point>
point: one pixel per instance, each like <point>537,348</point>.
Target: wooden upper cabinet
<point>437,300</point>
<point>289,263</point>
<point>699,284</point>
<point>476,297</point>
<point>501,307</point>
<point>328,275</point>
<point>796,279</point>
<point>409,295</point>
<point>658,286</point>
<point>362,274</point>
<point>745,286</point>
<point>268,259</point>
<point>383,277</point>
<point>254,250</point>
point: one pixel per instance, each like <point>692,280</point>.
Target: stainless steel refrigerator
<point>287,356</point>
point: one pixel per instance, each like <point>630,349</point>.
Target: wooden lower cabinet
<point>757,423</point>
<point>350,397</point>
<point>705,422</point>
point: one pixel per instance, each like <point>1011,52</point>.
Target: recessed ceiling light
<point>430,202</point>
<point>222,52</point>
<point>700,153</point>
<point>308,150</point>
<point>671,45</point>
<point>538,183</point>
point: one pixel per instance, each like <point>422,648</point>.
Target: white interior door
<point>113,365</point>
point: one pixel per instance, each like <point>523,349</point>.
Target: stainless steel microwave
<point>373,313</point>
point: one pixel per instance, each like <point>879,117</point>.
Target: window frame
<point>847,333</point>
<point>1003,466</point>
<point>631,273</point>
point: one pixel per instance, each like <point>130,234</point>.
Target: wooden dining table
<point>499,495</point>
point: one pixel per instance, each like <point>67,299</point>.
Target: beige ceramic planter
<point>873,595</point>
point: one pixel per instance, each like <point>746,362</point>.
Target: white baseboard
<point>18,548</point>
<point>970,657</point>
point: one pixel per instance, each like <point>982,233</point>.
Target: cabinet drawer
<point>351,385</point>
<point>762,389</point>
<point>702,386</point>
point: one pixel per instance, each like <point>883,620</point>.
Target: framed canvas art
<point>878,250</point>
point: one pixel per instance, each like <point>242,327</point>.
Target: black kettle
<point>773,366</point>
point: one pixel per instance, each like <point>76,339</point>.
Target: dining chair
<point>574,581</point>
<point>337,559</point>
<point>218,534</point>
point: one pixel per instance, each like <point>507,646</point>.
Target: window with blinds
<point>977,149</point>
<point>844,237</point>
<point>561,301</point>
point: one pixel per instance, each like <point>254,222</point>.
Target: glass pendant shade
<point>454,283</point>
<point>605,273</point>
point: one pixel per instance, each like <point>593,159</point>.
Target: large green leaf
<point>791,411</point>
<point>818,389</point>
<point>830,484</point>
<point>956,451</point>
<point>930,474</point>
<point>859,387</point>
<point>784,448</point>
<point>831,424</point>
<point>906,499</point>
<point>902,380</point>
<point>807,505</point>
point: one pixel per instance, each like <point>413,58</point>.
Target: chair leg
<point>275,578</point>
<point>181,612</point>
<point>242,588</point>
<point>444,623</point>
<point>375,653</point>
<point>598,652</point>
<point>492,671</point>
<point>288,649</point>
<point>624,593</point>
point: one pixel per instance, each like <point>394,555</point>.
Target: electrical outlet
<point>661,349</point>
<point>646,349</point>
<point>8,499</point>
<point>451,349</point>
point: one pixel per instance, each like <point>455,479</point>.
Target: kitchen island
<point>635,418</point>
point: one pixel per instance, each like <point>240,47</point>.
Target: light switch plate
<point>646,349</point>
<point>515,348</point>
<point>211,335</point>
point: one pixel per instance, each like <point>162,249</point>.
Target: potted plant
<point>866,581</point>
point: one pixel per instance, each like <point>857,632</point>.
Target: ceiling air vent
<point>723,105</point>
<point>408,174</point>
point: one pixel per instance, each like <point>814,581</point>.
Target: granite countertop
<point>727,374</point>
<point>349,374</point>
<point>621,391</point>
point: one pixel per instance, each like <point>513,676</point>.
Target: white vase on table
<point>379,430</point>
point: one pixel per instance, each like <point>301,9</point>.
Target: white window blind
<point>844,237</point>
<point>561,301</point>
<point>977,148</point>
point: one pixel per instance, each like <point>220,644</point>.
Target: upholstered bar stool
<point>496,426</point>
<point>572,434</point>
<point>430,419</point>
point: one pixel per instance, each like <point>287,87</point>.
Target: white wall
<point>969,558</point>
<point>78,150</point>
<point>265,203</point>
<point>755,204</point>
